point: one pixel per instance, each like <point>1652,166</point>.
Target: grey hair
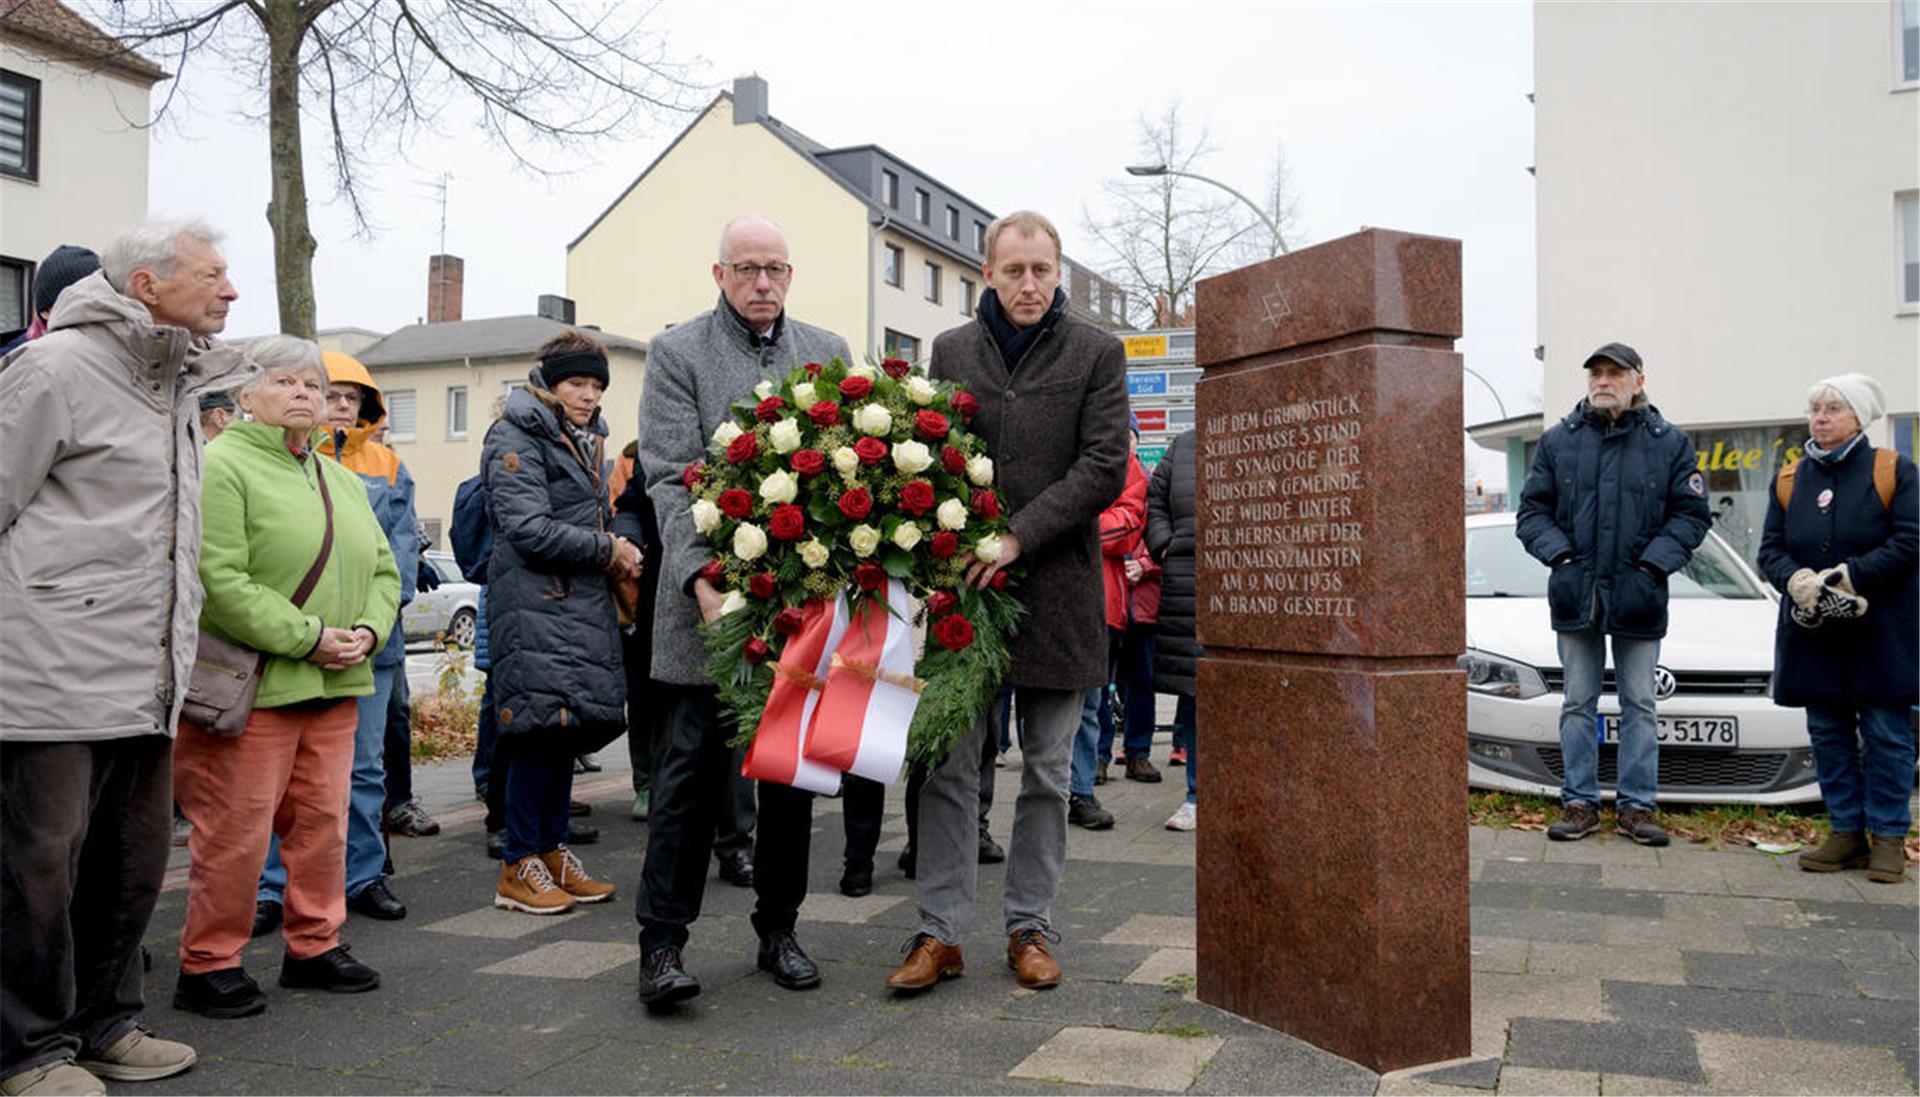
<point>153,246</point>
<point>283,354</point>
<point>726,230</point>
<point>1823,391</point>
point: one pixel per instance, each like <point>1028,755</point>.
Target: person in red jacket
<point>1121,526</point>
<point>1129,705</point>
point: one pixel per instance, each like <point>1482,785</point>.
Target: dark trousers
<point>84,830</point>
<point>1136,687</point>
<point>538,784</point>
<point>642,711</point>
<point>399,741</point>
<point>691,766</point>
<point>862,803</point>
<point>485,736</point>
<point>734,830</point>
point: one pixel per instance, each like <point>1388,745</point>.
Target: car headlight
<point>1500,677</point>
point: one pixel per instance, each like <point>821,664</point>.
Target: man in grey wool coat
<point>1053,412</point>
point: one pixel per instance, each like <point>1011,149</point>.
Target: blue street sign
<point>1147,382</point>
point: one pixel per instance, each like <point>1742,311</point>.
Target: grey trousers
<point>949,839</point>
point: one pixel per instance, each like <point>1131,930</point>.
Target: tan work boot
<point>572,878</point>
<point>1032,964</point>
<point>60,1078</point>
<point>527,886</point>
<point>1842,849</point>
<point>140,1056</point>
<point>1888,863</point>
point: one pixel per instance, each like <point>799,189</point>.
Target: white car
<point>1722,739</point>
<point>447,614</point>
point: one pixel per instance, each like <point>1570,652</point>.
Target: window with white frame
<point>1910,250</point>
<point>967,290</point>
<point>902,345</point>
<point>1908,13</point>
<point>953,223</point>
<point>890,188</point>
<point>932,283</point>
<point>457,411</point>
<point>891,262</point>
<point>19,125</point>
<point>400,416</point>
<point>922,206</point>
<point>980,237</point>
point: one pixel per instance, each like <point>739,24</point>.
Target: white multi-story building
<point>1735,192</point>
<point>73,158</point>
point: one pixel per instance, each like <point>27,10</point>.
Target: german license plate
<point>1687,731</point>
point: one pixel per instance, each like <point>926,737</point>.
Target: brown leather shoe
<point>1032,964</point>
<point>928,962</point>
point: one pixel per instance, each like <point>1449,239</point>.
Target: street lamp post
<point>1279,242</point>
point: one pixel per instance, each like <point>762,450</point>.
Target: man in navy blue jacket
<point>1614,504</point>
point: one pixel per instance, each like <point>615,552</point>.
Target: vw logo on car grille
<point>1663,683</point>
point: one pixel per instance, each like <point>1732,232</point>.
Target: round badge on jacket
<point>1825,499</point>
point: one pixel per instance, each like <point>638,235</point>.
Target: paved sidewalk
<point>1598,967</point>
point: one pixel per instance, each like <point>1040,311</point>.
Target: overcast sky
<point>1407,116</point>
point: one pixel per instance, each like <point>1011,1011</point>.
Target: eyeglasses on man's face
<point>751,272</point>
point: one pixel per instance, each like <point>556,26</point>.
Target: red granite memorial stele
<point>1332,867</point>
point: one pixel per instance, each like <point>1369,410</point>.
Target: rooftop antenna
<point>438,189</point>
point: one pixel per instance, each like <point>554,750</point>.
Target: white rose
<point>734,600</point>
<point>864,539</point>
<point>873,419</point>
<point>864,370</point>
<point>804,395</point>
<point>911,457</point>
<point>920,390</point>
<point>725,433</point>
<point>814,554</point>
<point>988,550</point>
<point>951,514</point>
<point>706,516</point>
<point>845,461</point>
<point>907,536</point>
<point>980,470</point>
<point>749,541</point>
<point>763,390</point>
<point>785,436</point>
<point>779,487</point>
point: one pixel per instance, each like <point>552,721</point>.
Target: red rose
<point>942,602</point>
<point>762,585</point>
<point>872,451</point>
<point>789,523</point>
<point>813,369</point>
<point>965,404</point>
<point>999,580</point>
<point>756,650</point>
<point>931,424</point>
<point>769,409</point>
<point>917,497</point>
<point>953,461</point>
<point>896,368</point>
<point>853,388</point>
<point>944,544</point>
<point>824,414</point>
<point>856,504</point>
<point>953,631</point>
<point>742,449</point>
<point>693,473</point>
<point>870,576</point>
<point>736,503</point>
<point>809,462</point>
<point>713,571</point>
<point>788,622</point>
<point>986,504</point>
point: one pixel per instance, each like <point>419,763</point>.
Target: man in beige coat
<point>99,587</point>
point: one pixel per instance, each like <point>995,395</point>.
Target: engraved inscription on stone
<point>1284,534</point>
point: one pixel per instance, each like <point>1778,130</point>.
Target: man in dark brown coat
<point>1053,412</point>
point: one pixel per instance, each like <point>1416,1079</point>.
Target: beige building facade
<point>883,253</point>
<point>73,162</point>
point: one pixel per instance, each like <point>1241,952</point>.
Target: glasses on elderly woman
<point>1828,409</point>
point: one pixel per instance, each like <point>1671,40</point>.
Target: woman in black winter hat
<point>62,267</point>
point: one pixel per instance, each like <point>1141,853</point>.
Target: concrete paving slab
<point>1711,913</point>
<point>1851,1020</point>
<point>1282,1065</point>
<point>1487,894</point>
<point>494,923</point>
<point>1669,932</point>
<point>1396,1086</point>
<point>1692,876</point>
<point>1536,925</point>
<point>1164,964</point>
<point>1503,954</point>
<point>1600,1047</point>
<point>1898,982</point>
<point>1749,1064</point>
<point>1541,1082</point>
<point>1637,964</point>
<point>480,1058</point>
<point>967,1045</point>
<point>1521,870</point>
<point>1472,1073</point>
<point>1857,915</point>
<point>1786,974</point>
<point>1851,946</point>
<point>1902,893</point>
<point>568,960</point>
<point>1077,1002</point>
<point>834,907</point>
<point>1601,849</point>
<point>1106,1057</point>
<point>1600,900</point>
<point>1778,881</point>
<point>1559,996</point>
<point>1637,1085</point>
<point>1159,930</point>
<point>1697,1009</point>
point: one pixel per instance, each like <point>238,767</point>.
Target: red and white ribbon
<point>860,725</point>
<point>778,751</point>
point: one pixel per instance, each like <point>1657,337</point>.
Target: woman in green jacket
<point>271,508</point>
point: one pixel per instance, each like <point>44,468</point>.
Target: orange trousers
<point>287,774</point>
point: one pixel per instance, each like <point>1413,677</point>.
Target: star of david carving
<point>1277,306</point>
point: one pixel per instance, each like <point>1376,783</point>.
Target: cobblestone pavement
<point>1598,967</point>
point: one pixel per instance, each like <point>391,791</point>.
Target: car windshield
<point>1497,567</point>
<point>448,571</point>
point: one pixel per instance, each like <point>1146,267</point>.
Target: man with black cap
<point>1614,504</point>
